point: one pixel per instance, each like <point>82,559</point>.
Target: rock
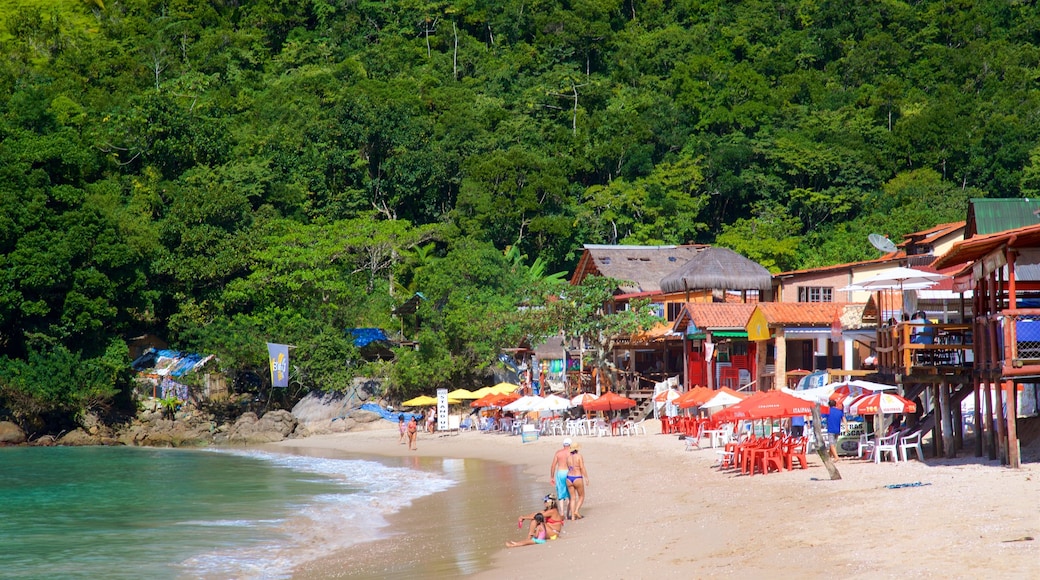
<point>78,437</point>
<point>363,416</point>
<point>273,426</point>
<point>11,434</point>
<point>45,441</point>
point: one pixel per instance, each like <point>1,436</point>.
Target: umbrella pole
<point>821,447</point>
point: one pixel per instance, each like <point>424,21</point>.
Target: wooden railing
<point>907,346</point>
<point>1011,341</point>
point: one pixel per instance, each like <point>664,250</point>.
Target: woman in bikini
<point>536,536</point>
<point>551,514</point>
<point>577,479</point>
<point>413,428</point>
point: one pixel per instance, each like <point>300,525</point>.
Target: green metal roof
<point>719,334</point>
<point>990,216</point>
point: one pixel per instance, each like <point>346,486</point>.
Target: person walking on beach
<point>536,536</point>
<point>413,430</point>
<point>431,417</point>
<point>577,479</point>
<point>402,428</point>
<point>834,419</point>
<point>558,474</point>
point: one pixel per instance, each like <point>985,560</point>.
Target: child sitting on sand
<point>537,535</point>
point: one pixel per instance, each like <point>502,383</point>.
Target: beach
<point>655,510</point>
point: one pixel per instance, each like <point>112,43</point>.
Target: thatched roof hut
<point>639,267</point>
<point>717,268</point>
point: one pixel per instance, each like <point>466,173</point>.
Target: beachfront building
<point>1003,271</point>
<point>673,277</point>
<point>793,339</point>
<point>716,349</point>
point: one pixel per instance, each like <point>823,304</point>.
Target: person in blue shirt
<point>834,419</point>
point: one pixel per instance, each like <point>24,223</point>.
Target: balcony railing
<point>1020,334</point>
<point>907,347</point>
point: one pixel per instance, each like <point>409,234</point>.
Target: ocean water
<point>119,512</point>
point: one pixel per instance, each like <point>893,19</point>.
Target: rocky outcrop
<point>273,426</point>
<point>325,413</point>
<point>11,434</point>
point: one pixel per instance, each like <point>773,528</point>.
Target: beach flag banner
<point>279,354</point>
<point>442,409</point>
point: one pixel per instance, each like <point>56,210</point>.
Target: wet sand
<point>655,510</point>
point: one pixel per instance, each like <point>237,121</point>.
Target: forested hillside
<point>227,172</point>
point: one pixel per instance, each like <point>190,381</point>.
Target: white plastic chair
<point>639,426</point>
<point>911,443</point>
<point>888,445</point>
<point>602,429</point>
<point>865,445</point>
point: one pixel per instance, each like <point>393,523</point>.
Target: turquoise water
<point>117,512</point>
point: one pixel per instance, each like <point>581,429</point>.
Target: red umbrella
<point>610,401</point>
<point>493,400</point>
<point>771,404</point>
<point>885,403</point>
<point>693,397</point>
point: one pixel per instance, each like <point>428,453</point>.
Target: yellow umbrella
<point>504,388</point>
<point>420,401</point>
<point>461,394</point>
<point>481,392</point>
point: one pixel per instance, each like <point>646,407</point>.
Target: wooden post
<point>991,439</point>
<point>958,423</point>
<point>976,386</point>
<point>1014,451</point>
<point>937,428</point>
<point>1001,422</point>
<point>821,448</point>
<point>781,359</point>
<point>947,414</point>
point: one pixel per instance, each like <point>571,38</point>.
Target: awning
<point>718,334</point>
<point>808,330</point>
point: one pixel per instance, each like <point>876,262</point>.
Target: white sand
<point>657,511</point>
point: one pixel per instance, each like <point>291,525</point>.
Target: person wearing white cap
<point>558,475</point>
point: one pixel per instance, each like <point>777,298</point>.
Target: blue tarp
<point>389,415</point>
<point>366,336</point>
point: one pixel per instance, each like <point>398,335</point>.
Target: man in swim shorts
<point>558,475</point>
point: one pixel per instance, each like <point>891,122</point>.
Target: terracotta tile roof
<point>709,315</point>
<point>801,313</point>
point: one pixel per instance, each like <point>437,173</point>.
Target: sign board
<point>442,409</point>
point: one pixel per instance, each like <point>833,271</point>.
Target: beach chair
<point>911,443</point>
<point>865,445</point>
<point>890,445</point>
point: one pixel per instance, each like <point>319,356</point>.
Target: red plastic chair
<point>768,457</point>
<point>796,450</point>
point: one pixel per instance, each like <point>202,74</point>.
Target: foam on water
<point>324,524</point>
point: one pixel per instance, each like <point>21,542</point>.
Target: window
<point>815,294</point>
<point>674,309</point>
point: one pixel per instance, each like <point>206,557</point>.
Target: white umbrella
<point>722,399</point>
<point>556,403</point>
<point>900,278</point>
<point>523,404</point>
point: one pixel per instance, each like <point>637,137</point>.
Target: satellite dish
<point>882,243</point>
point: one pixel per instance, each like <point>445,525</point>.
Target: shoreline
<point>654,509</point>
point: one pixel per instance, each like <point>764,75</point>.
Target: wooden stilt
<point>1001,424</point>
<point>947,421</point>
<point>978,416</point>
<point>937,431</point>
<point>1014,451</point>
<point>990,436</point>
